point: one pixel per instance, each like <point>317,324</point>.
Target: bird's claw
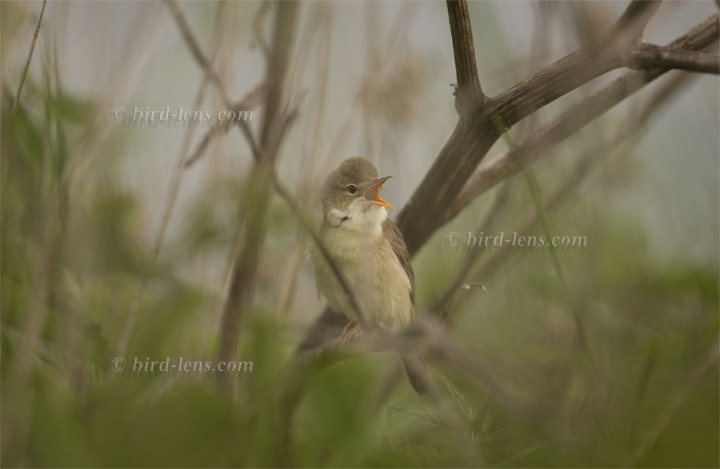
<point>350,333</point>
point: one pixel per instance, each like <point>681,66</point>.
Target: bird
<point>370,251</point>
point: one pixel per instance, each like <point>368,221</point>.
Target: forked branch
<point>472,138</point>
<point>572,120</point>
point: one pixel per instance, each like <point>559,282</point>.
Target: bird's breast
<point>373,273</point>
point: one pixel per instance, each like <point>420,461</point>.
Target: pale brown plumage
<point>370,251</point>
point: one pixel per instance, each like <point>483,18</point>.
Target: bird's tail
<point>417,373</point>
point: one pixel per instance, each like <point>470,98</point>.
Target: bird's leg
<point>350,333</point>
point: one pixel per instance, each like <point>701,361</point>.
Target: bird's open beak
<point>372,193</point>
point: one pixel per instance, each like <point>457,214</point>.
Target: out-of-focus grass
<point>606,362</point>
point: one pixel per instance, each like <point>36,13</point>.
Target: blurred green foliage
<point>607,367</point>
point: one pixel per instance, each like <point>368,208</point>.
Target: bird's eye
<point>352,189</point>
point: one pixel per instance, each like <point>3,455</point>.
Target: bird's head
<point>351,195</point>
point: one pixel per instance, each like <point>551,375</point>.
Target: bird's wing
<point>393,234</point>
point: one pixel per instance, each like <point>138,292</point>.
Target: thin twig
<point>204,63</point>
<point>218,129</point>
<point>337,272</point>
<point>251,100</point>
<point>195,50</point>
<point>27,61</point>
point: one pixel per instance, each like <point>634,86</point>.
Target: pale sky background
<point>131,54</point>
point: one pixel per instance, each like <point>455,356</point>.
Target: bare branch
<point>573,71</point>
<point>480,128</point>
<point>528,150</point>
<point>552,82</point>
<point>469,91</point>
<point>532,147</point>
<point>700,36</point>
<point>27,61</point>
<point>646,56</point>
<point>569,122</point>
